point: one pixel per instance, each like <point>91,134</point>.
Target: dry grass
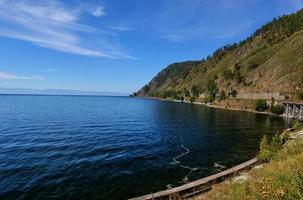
<point>281,178</point>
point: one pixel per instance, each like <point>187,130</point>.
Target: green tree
<point>195,91</point>
<point>260,105</point>
<point>265,153</point>
<point>146,88</point>
<point>212,88</point>
<point>276,109</point>
<point>222,95</point>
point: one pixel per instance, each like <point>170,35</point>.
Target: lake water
<point>86,147</point>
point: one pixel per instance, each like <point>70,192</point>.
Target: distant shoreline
<point>70,95</point>
<point>31,91</point>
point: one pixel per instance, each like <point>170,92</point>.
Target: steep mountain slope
<point>271,60</point>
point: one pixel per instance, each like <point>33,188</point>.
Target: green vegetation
<point>284,26</point>
<point>280,178</point>
<point>192,99</point>
<point>297,126</point>
<point>276,109</point>
<point>260,105</point>
<point>273,54</point>
<point>265,153</point>
<point>195,91</point>
<point>222,95</point>
<point>186,93</point>
<point>227,74</point>
<point>234,93</point>
<point>268,149</point>
<point>284,136</point>
<point>209,99</point>
<point>212,89</point>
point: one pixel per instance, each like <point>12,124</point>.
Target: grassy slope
<point>257,65</point>
<point>282,178</point>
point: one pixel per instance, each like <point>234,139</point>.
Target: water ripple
<point>77,147</point>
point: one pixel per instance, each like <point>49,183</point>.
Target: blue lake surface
<point>112,148</point>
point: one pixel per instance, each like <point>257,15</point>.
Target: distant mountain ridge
<point>270,61</point>
<point>57,92</point>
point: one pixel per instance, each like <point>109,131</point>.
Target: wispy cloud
<point>52,24</point>
<point>185,20</point>
<point>99,11</point>
<point>198,20</point>
<point>9,76</point>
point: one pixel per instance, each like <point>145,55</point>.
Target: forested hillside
<point>271,60</point>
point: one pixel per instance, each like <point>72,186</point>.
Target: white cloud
<point>8,76</point>
<point>53,25</point>
<point>99,11</point>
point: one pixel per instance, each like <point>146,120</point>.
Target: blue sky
<point>118,45</point>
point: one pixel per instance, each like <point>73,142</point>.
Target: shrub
<point>222,95</point>
<point>179,97</point>
<point>280,179</point>
<point>300,95</point>
<point>238,77</point>
<point>276,109</point>
<point>209,99</point>
<point>192,99</point>
<point>265,153</point>
<point>170,94</point>
<point>234,93</point>
<point>297,126</point>
<point>261,105</point>
<point>227,74</point>
<point>275,143</point>
<point>268,149</point>
<point>284,136</point>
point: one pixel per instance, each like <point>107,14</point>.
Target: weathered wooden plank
<point>196,192</point>
<point>197,183</point>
